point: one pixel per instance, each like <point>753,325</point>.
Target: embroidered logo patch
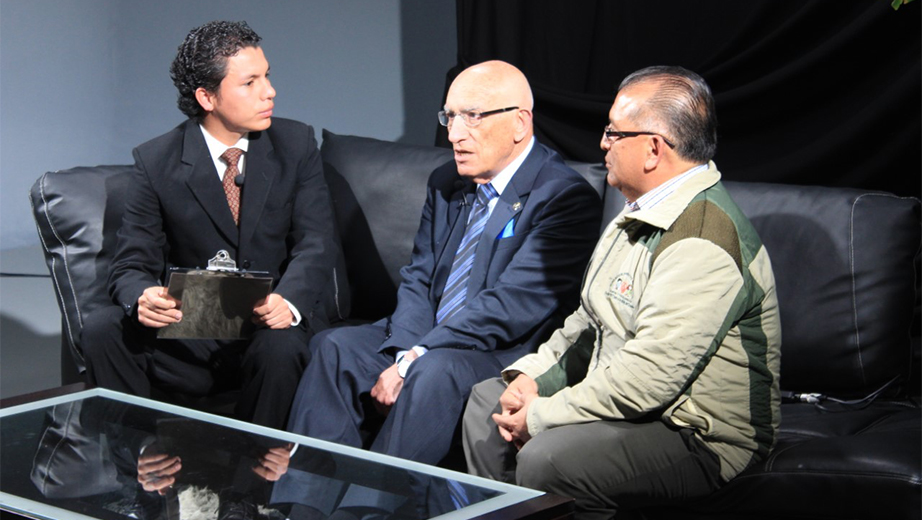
<point>622,289</point>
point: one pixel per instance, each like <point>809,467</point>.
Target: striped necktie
<point>455,293</point>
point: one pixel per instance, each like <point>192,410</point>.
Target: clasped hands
<point>157,309</point>
<point>158,471</point>
<point>512,420</point>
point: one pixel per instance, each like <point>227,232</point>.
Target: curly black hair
<point>201,60</point>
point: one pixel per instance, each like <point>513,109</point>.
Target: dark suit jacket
<point>177,215</point>
<point>521,287</point>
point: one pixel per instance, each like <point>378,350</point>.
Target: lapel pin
<point>517,206</point>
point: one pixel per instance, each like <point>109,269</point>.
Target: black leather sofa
<point>846,264</point>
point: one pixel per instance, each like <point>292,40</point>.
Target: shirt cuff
<point>295,314</point>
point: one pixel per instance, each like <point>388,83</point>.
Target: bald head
<point>484,147</point>
<point>497,81</point>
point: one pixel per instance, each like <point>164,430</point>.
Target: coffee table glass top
<point>77,456</point>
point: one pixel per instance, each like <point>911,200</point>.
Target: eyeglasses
<point>610,134</point>
<point>471,119</point>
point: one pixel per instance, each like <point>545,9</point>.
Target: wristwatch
<point>403,364</point>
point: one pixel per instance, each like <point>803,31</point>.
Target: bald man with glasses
<point>504,237</point>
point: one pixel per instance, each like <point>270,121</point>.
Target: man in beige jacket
<point>663,385</point>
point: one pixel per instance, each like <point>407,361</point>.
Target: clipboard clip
<point>222,262</point>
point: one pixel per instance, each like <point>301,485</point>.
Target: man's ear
<point>205,99</point>
<point>522,124</point>
<point>655,152</point>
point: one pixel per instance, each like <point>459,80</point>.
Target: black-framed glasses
<point>471,119</point>
<point>610,134</point>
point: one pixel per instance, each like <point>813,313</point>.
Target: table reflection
<point>111,459</point>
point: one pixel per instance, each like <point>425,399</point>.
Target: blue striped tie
<point>456,287</point>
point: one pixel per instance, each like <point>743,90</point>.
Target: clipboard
<point>217,302</point>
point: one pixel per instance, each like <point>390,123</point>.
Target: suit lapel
<point>459,208</point>
<point>262,167</point>
<point>456,214</point>
<point>510,203</point>
<point>507,206</point>
<point>202,179</point>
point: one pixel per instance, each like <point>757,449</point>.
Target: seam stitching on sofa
<point>41,237</point>
<point>54,231</point>
<point>874,423</point>
<point>851,270</point>
<point>769,462</point>
<point>891,476</point>
<point>806,435</point>
<point>851,257</point>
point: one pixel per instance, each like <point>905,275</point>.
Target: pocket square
<point>509,230</point>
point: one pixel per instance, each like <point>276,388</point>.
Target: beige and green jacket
<point>679,319</point>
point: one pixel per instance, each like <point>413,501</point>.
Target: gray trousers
<point>608,467</point>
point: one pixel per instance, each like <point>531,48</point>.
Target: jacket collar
<point>665,213</point>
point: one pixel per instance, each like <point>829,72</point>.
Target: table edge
<point>42,394</point>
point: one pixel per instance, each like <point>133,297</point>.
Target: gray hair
<point>684,105</point>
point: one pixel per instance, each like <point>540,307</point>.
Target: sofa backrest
<point>843,258</point>
<point>379,189</point>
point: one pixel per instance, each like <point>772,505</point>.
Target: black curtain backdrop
<point>822,92</point>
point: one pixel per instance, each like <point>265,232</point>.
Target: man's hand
<point>512,420</point>
<point>274,463</point>
<point>273,312</point>
<point>521,388</point>
<point>157,309</point>
<point>389,384</point>
<point>156,471</point>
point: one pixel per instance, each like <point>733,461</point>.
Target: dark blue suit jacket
<point>522,286</point>
<point>177,215</point>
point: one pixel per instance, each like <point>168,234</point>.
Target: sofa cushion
<point>843,264</point>
<point>853,464</point>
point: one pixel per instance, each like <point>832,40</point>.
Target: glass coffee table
<point>76,456</point>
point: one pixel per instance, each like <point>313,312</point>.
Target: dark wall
<point>823,92</point>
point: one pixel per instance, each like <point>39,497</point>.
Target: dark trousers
<point>332,402</point>
<point>125,356</point>
<point>608,467</point>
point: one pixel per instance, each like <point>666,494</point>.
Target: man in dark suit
<point>230,178</point>
<point>505,234</point>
